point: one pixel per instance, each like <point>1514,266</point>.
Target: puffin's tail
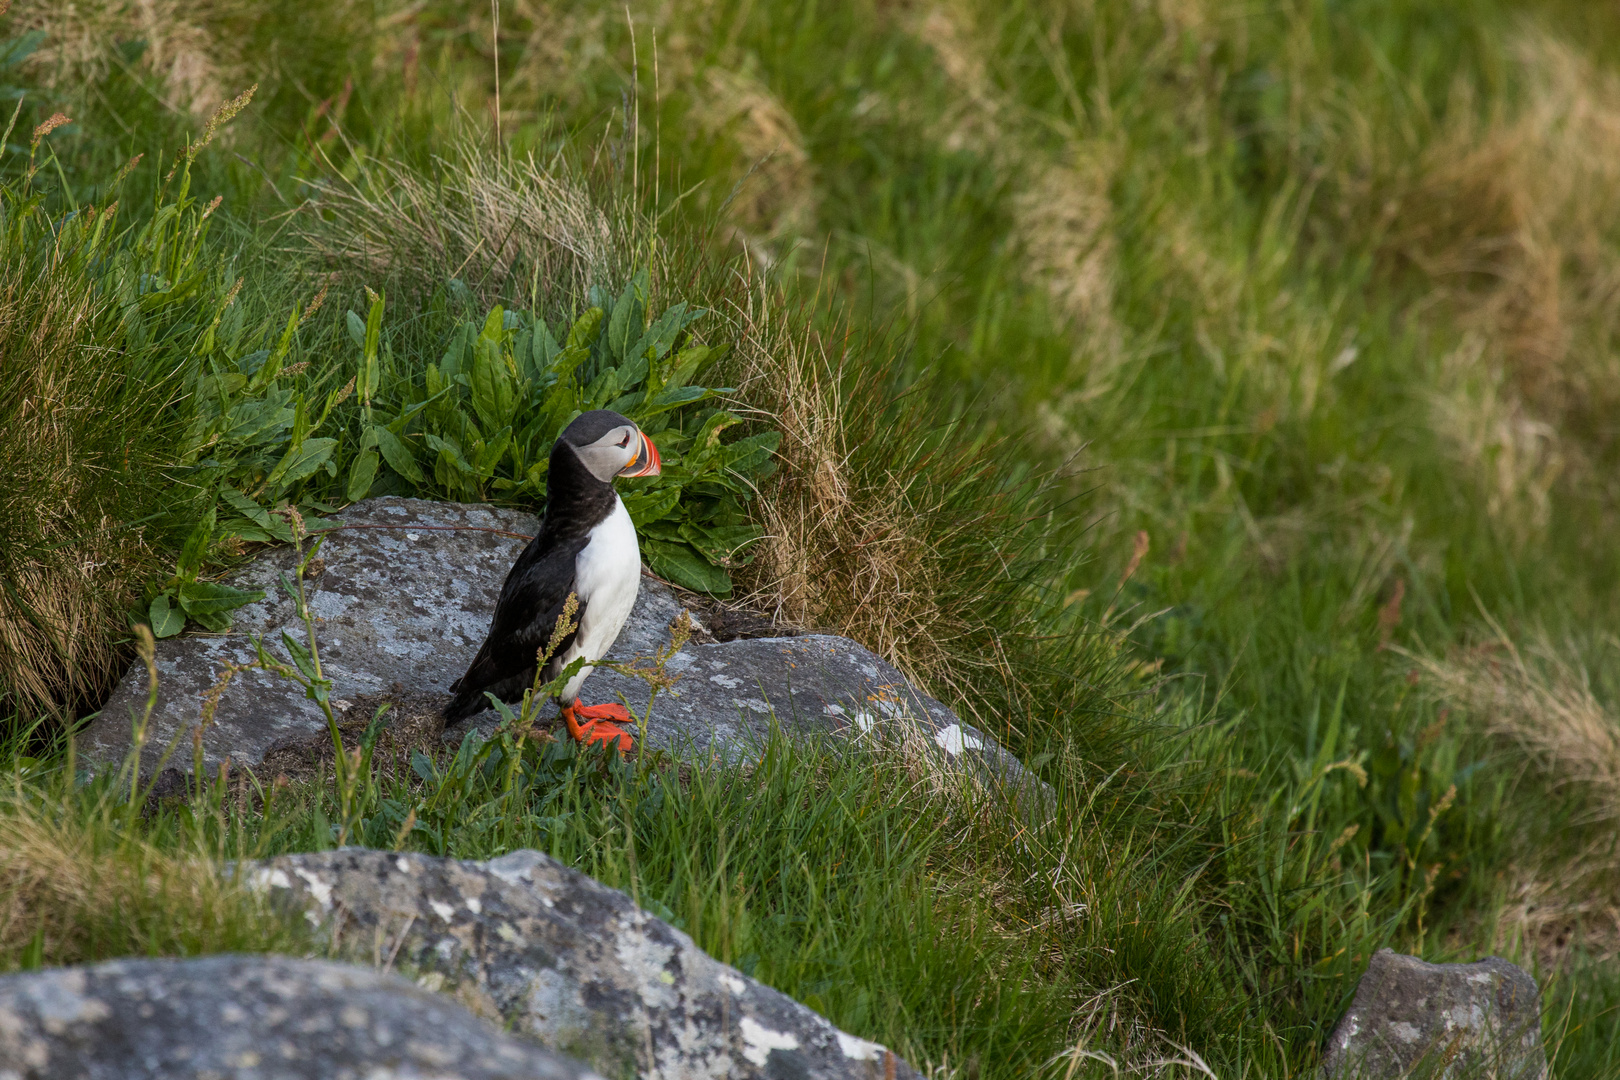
<point>468,700</point>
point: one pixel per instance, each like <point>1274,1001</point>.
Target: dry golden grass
<point>1512,220</point>
<point>74,887</point>
<point>69,567</point>
<point>873,529</point>
<point>773,181</point>
<point>1540,702</point>
<point>511,229</point>
<point>198,52</point>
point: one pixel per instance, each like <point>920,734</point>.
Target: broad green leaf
<point>722,545</point>
<point>749,456</point>
<point>257,421</point>
<point>301,462</point>
<point>687,363</point>
<point>203,597</point>
<point>603,389</point>
<point>486,456</point>
<point>245,506</point>
<point>585,330</point>
<point>660,336</point>
<point>196,546</point>
<point>357,329</point>
<point>674,398</point>
<point>566,362</point>
<point>299,654</point>
<point>494,384</point>
<point>683,566</point>
<point>543,348</point>
<point>646,507</point>
<point>494,325</point>
<point>455,356</point>
<point>272,367</point>
<point>15,50</point>
<point>398,455</point>
<point>166,621</point>
<point>423,766</point>
<point>626,326</point>
<point>373,327</point>
<point>361,475</point>
<point>250,364</point>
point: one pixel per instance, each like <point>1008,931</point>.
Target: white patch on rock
<point>62,1002</point>
<point>726,681</point>
<point>753,704</point>
<point>404,864</point>
<point>859,1049</point>
<point>514,867</point>
<point>1405,1032</point>
<point>474,905</point>
<point>732,983</point>
<point>953,740</point>
<point>432,982</point>
<point>441,909</point>
<point>762,1040</point>
<point>320,890</point>
<point>866,722</point>
<point>413,537</point>
<point>263,880</point>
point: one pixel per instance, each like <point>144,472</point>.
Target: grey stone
<point>1412,1018</point>
<point>567,962</point>
<point>403,602</point>
<point>253,1018</point>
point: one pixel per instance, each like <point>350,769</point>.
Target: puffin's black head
<point>611,445</point>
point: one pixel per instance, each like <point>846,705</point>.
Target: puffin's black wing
<point>532,600</point>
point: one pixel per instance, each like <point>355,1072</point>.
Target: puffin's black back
<point>539,582</point>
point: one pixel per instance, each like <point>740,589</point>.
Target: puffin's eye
<point>624,441</point>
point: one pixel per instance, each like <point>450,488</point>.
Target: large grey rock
<point>403,602</point>
<point>569,963</point>
<point>253,1018</point>
<point>1412,1018</point>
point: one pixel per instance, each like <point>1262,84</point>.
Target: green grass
<point>1312,294</point>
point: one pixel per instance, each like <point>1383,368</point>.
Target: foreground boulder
<point>567,962</point>
<point>403,600</point>
<point>1444,1020</point>
<point>250,1017</point>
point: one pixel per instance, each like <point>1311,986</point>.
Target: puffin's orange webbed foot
<point>600,728</point>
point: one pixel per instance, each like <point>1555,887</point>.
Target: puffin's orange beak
<point>645,463</point>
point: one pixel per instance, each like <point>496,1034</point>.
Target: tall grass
<point>85,389</point>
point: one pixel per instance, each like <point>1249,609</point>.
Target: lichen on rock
<point>566,962</point>
<point>250,1016</point>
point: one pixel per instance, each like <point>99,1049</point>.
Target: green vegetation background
<point>1214,400</point>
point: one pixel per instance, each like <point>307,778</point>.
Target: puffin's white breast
<point>607,576</point>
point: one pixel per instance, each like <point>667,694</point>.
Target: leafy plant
<point>482,422</point>
<point>478,424</point>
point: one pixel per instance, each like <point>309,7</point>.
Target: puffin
<point>586,547</point>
